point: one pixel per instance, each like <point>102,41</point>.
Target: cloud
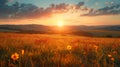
<point>78,6</point>
<point>16,10</point>
<point>30,11</point>
<point>10,0</point>
<point>3,2</point>
<point>109,3</point>
<point>111,10</point>
<point>26,11</point>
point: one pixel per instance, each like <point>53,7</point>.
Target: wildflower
<point>22,52</point>
<point>109,55</point>
<point>112,59</point>
<point>15,56</point>
<point>69,47</point>
<point>114,52</point>
<point>96,47</point>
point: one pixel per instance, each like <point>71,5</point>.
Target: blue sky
<point>90,3</point>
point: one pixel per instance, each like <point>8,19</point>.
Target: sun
<point>60,24</point>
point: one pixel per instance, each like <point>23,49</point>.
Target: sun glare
<point>60,24</point>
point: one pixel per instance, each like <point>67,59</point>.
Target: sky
<point>67,12</point>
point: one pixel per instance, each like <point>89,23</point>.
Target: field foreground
<point>42,50</point>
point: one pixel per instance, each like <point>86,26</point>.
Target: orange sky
<point>68,19</point>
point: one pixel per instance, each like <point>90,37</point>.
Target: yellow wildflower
<point>15,56</point>
<point>22,52</point>
<point>69,47</point>
<point>109,55</point>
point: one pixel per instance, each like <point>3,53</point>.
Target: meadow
<point>52,50</point>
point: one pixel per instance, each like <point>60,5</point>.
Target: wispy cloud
<point>108,10</point>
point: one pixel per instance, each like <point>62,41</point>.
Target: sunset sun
<point>60,24</point>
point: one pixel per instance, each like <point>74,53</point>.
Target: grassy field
<point>104,33</point>
<point>43,50</point>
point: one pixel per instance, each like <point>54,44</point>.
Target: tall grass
<point>58,51</point>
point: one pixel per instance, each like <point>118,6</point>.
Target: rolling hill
<point>102,30</point>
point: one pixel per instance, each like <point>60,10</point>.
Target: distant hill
<point>77,30</point>
<point>24,28</point>
<point>100,27</point>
